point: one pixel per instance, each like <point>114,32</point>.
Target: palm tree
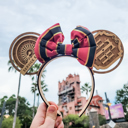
<point>35,68</point>
<point>33,90</point>
<point>86,88</point>
<point>44,88</point>
<point>11,68</point>
<point>17,99</point>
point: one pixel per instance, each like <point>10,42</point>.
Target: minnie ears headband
<point>83,47</point>
<point>49,46</point>
<point>100,51</point>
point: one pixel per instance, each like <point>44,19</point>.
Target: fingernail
<point>51,109</point>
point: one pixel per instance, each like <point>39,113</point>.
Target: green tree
<point>72,121</point>
<point>34,68</point>
<point>86,88</point>
<point>26,118</point>
<point>44,88</point>
<point>24,112</point>
<point>102,120</point>
<point>33,90</point>
<point>34,87</point>
<point>122,97</point>
<point>7,122</point>
<point>2,102</point>
<point>10,105</point>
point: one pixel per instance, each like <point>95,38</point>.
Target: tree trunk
<point>25,125</point>
<point>2,113</point>
<point>34,102</point>
<point>38,100</point>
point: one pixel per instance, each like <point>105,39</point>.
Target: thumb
<point>51,116</point>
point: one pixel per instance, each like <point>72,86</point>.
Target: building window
<point>77,82</point>
<point>63,87</point>
<point>71,83</point>
<point>70,108</point>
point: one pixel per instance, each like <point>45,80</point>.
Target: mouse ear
<point>21,52</point>
<point>109,51</point>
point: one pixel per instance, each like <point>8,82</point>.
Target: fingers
<point>40,116</point>
<point>51,116</point>
<point>52,103</point>
<point>52,112</point>
<point>58,121</point>
<point>61,125</point>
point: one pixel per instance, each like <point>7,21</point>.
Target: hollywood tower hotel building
<point>70,99</point>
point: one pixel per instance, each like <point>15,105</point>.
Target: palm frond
<point>32,77</point>
<point>86,88</point>
<point>45,90</point>
<point>35,84</point>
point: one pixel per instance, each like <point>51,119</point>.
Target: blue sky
<point>19,16</point>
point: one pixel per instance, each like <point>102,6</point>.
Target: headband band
<point>49,47</point>
<point>42,68</point>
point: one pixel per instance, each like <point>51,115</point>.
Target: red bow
<point>49,44</point>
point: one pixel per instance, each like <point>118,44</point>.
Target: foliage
<point>35,68</point>
<point>11,68</point>
<point>102,120</point>
<point>24,111</point>
<point>86,88</point>
<point>34,87</point>
<point>7,122</point>
<point>72,121</point>
<point>122,97</point>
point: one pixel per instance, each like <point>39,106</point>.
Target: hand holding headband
<point>49,47</point>
<point>49,44</point>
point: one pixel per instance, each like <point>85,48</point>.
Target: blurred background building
<point>70,100</point>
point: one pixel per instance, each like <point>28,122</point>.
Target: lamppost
<point>2,113</point>
<point>108,104</point>
<point>17,100</point>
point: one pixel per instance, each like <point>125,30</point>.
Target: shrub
<point>72,121</point>
<point>7,122</point>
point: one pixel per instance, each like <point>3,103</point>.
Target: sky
<point>19,16</point>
